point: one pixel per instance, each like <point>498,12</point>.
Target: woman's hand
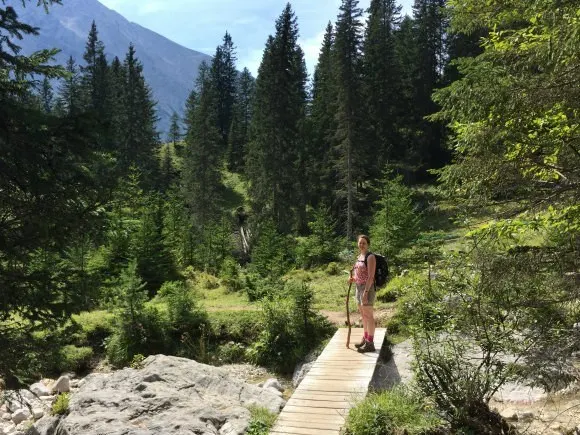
<point>350,279</point>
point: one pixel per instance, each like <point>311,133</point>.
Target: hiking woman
<point>364,273</point>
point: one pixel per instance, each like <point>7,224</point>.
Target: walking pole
<point>348,312</point>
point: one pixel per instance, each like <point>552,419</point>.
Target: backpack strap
<point>366,265</point>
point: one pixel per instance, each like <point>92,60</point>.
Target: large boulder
<point>169,395</point>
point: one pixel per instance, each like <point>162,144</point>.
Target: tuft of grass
<point>61,404</point>
<point>261,422</point>
<point>395,412</point>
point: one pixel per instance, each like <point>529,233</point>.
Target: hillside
<point>169,68</point>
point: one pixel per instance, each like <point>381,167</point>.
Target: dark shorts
<point>360,288</point>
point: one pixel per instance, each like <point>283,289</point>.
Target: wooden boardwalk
<point>338,379</point>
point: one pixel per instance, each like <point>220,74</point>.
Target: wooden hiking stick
<point>348,312</point>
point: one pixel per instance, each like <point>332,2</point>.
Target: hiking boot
<point>359,345</point>
<point>366,347</point>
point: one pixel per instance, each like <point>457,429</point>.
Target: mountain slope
<point>169,68</point>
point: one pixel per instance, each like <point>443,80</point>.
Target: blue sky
<point>201,24</point>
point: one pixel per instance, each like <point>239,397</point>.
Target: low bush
<point>61,404</point>
<point>394,412</point>
<point>74,359</point>
<point>95,327</point>
<point>261,422</point>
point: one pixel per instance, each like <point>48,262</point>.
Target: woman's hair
<point>362,236</point>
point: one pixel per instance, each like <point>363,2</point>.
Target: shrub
<point>230,275</point>
<point>237,326</point>
<point>322,245</point>
<point>230,353</point>
<point>95,327</point>
<point>291,329</point>
<point>332,268</point>
<point>261,422</point>
<point>74,359</point>
<point>61,404</point>
<point>392,412</point>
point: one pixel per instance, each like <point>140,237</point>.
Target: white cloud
<point>311,47</point>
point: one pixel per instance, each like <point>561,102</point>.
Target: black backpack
<point>381,269</point>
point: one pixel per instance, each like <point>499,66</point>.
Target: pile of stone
<point>168,395</point>
<point>21,408</point>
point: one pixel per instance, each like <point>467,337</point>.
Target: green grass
<point>261,422</point>
<point>391,412</point>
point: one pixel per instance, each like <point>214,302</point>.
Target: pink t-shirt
<point>361,273</point>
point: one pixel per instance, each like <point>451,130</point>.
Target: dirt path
<point>338,318</point>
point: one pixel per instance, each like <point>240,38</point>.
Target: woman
<point>364,274</point>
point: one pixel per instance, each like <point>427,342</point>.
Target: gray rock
<point>37,413</point>
<point>509,414</point>
<point>39,389</point>
<point>7,416</point>
<point>300,373</point>
<point>525,416</point>
<point>169,396</point>
<point>20,415</point>
<point>62,385</point>
<point>273,383</point>
<point>45,426</point>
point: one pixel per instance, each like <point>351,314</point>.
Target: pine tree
<point>430,25</point>
<point>242,115</point>
<point>174,129</point>
<point>94,74</point>
<point>201,167</point>
<point>224,77</point>
<point>382,82</point>
<point>353,157</point>
<point>49,196</point>
<point>140,140</point>
<point>46,96</point>
<point>277,144</point>
<point>321,173</point>
<point>70,93</point>
<point>116,103</point>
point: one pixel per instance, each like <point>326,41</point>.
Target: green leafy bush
<point>74,359</point>
<point>61,404</point>
<point>230,275</point>
<point>322,245</point>
<point>237,326</point>
<point>95,327</point>
<point>393,412</point>
<point>261,422</point>
<point>291,329</point>
<point>230,353</point>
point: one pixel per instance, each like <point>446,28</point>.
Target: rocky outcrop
<point>169,395</point>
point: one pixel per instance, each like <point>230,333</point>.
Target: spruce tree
<point>140,139</point>
<point>224,77</point>
<point>430,30</point>
<point>201,174</point>
<point>277,144</point>
<point>352,156</point>
<point>70,91</point>
<point>321,173</point>
<point>174,129</point>
<point>46,96</point>
<point>94,74</point>
<point>382,83</point>
<point>242,116</point>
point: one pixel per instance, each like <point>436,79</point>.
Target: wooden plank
<point>337,381</point>
<point>306,424</point>
<point>301,431</point>
<point>309,410</point>
<point>329,418</point>
<point>319,404</point>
